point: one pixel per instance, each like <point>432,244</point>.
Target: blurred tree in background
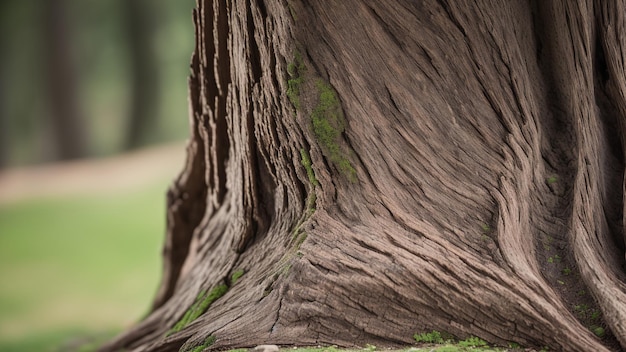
<point>3,117</point>
<point>67,130</point>
<point>85,78</point>
<point>140,26</point>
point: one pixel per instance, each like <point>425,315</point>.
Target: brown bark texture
<point>361,171</point>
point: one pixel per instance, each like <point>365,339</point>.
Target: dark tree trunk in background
<point>5,140</point>
<point>65,116</point>
<point>377,169</point>
<point>144,74</point>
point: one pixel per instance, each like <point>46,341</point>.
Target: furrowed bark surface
<point>380,169</point>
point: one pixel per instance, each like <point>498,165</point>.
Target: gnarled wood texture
<point>381,168</point>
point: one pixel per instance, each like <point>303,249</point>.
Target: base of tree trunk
<point>362,171</point>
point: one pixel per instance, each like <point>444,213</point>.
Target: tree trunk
<point>65,118</point>
<point>377,169</point>
<point>5,137</point>
<point>142,119</point>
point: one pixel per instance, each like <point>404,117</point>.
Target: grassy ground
<point>78,265</point>
<point>448,347</point>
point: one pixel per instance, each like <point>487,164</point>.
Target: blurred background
<point>93,118</point>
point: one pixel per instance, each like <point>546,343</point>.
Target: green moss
<point>595,315</point>
<point>346,168</point>
<point>200,306</point>
<point>301,239</point>
<point>326,117</point>
<point>292,11</point>
<point>555,259</point>
<point>581,307</point>
<point>286,269</point>
<point>216,293</point>
<point>210,340</point>
<point>598,331</point>
<point>236,275</point>
<point>295,70</point>
<point>310,202</point>
<point>328,125</point>
<point>306,162</point>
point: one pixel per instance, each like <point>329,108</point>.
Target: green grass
<point>77,266</point>
<point>75,340</point>
<point>429,337</point>
<point>450,347</point>
<point>446,342</point>
<point>473,342</point>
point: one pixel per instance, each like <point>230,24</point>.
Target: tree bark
<point>144,78</point>
<point>377,169</point>
<point>5,137</point>
<point>68,131</point>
